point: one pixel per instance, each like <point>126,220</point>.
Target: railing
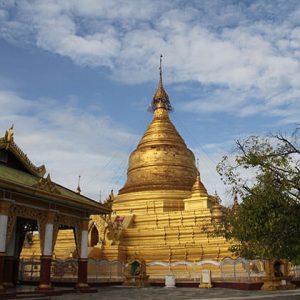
<point>113,271</point>
<point>64,270</point>
<point>237,269</point>
<point>103,270</point>
<point>67,270</point>
<point>29,270</point>
<point>227,269</point>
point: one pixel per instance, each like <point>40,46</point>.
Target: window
<point>94,236</point>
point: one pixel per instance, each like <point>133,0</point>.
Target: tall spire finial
<point>217,198</point>
<point>198,168</point>
<point>78,190</point>
<point>160,68</point>
<point>236,204</point>
<point>161,95</point>
<point>160,85</point>
<point>9,136</point>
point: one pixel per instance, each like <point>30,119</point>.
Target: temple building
<point>31,201</point>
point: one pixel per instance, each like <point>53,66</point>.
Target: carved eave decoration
<point>109,200</point>
<point>47,185</point>
<point>7,143</point>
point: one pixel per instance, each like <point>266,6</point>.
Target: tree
<point>266,175</point>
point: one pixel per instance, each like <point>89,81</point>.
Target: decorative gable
<point>22,162</point>
<point>47,185</point>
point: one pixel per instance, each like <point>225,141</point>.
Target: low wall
<point>230,273</point>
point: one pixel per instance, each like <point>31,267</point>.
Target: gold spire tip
<point>9,134</point>
<point>160,97</point>
<point>160,66</point>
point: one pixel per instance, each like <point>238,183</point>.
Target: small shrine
<point>277,277</point>
<point>136,274</point>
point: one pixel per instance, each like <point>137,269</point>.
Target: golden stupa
<point>163,214</point>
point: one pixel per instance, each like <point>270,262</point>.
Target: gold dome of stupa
<point>161,160</point>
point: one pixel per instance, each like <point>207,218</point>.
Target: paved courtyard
<point>159,293</point>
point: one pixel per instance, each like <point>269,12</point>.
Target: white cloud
<point>234,47</point>
<point>92,32</point>
<point>69,142</point>
<point>247,54</point>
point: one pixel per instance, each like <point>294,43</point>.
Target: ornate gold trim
<point>26,212</point>
<point>46,184</point>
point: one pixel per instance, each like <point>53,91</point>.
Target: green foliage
<point>266,175</point>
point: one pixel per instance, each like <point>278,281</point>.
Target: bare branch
<point>281,138</point>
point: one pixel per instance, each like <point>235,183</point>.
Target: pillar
<point>83,257</point>
<point>46,257</point>
<point>4,209</point>
<point>10,262</point>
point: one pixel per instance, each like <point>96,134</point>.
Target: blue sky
<point>77,76</point>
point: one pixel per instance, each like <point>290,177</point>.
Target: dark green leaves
<point>266,175</point>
